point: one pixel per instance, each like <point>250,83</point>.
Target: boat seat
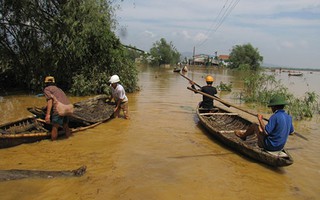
<point>209,110</point>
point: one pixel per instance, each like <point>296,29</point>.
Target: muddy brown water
<point>160,153</point>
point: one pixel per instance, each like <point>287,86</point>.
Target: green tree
<point>164,53</point>
<point>72,40</point>
<point>243,56</point>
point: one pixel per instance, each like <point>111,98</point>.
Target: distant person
<point>185,68</point>
<point>207,102</point>
<point>274,135</point>
<point>119,96</point>
<point>51,91</point>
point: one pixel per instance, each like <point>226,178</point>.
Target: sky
<point>285,32</point>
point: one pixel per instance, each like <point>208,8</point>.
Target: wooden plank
<point>205,114</point>
<point>226,132</point>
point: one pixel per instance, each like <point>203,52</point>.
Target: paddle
<point>223,102</point>
<point>189,79</point>
<point>226,103</point>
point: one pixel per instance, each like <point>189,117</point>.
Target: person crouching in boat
<point>274,135</point>
<point>119,96</point>
<point>207,102</point>
<point>52,91</point>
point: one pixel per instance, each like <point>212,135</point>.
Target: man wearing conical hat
<point>274,135</point>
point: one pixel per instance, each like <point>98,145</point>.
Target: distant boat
<point>176,70</point>
<point>295,74</point>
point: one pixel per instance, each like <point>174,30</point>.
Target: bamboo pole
<point>7,136</point>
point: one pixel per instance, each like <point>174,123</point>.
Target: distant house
<point>200,59</point>
<point>224,59</point>
<point>203,59</point>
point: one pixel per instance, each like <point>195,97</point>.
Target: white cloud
<point>200,37</point>
<point>149,34</point>
<point>186,34</point>
<point>287,44</point>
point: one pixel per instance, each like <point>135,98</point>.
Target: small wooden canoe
<point>26,130</point>
<point>87,114</point>
<point>31,129</point>
<point>222,125</point>
<point>295,74</point>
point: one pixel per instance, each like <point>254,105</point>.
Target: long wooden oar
<point>189,79</point>
<point>226,103</point>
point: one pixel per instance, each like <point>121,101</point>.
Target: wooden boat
<point>24,130</point>
<point>87,114</point>
<point>222,124</point>
<point>32,129</point>
<point>176,70</point>
<point>295,74</point>
<point>90,111</point>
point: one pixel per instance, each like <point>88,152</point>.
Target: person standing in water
<point>119,96</point>
<point>51,91</point>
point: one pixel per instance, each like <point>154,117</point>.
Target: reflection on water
<point>160,153</point>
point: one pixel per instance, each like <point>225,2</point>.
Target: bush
<point>262,87</point>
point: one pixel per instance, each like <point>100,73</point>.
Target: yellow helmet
<point>209,79</point>
<point>49,79</point>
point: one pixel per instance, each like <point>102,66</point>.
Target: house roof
<point>224,57</point>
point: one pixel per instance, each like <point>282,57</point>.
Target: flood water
<point>161,152</point>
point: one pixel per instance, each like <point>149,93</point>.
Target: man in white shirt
<point>119,96</point>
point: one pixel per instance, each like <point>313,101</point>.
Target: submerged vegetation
<point>224,87</point>
<point>261,87</point>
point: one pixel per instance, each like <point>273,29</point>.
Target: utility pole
<point>194,51</point>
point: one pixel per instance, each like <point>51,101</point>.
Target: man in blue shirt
<point>274,135</point>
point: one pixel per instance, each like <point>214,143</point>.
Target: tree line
<point>72,40</point>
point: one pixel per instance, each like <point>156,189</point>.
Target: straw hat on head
<point>49,79</point>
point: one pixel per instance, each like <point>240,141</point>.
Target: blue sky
<point>286,32</point>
